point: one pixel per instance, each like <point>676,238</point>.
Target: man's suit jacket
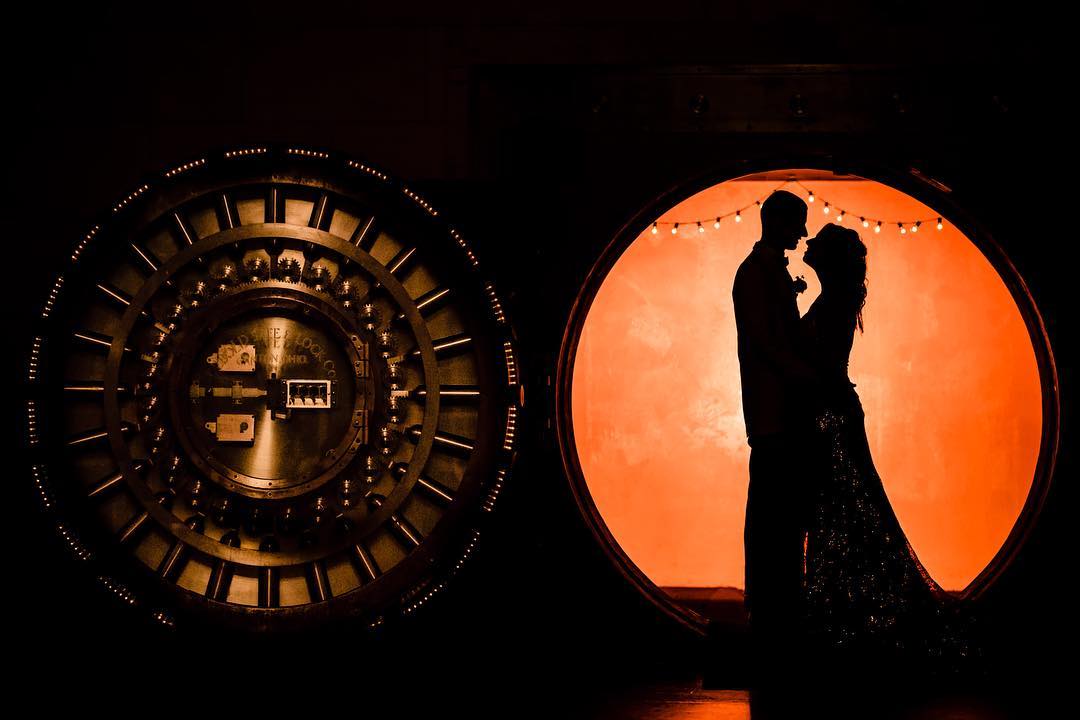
<point>767,319</point>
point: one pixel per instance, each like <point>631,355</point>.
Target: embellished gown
<point>867,597</point>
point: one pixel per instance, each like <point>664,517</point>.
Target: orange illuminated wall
<point>945,370</point>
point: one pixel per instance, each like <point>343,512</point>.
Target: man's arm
<point>757,314</point>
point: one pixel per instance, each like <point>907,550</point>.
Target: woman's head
<point>838,256</point>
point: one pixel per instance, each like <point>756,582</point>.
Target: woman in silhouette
<point>866,594</point>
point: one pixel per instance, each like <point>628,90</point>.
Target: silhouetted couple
<point>830,576</point>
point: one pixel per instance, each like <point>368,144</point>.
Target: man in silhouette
<point>775,383</point>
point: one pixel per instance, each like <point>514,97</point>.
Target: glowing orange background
<point>946,373</point>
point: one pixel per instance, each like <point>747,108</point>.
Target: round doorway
<point>954,372</point>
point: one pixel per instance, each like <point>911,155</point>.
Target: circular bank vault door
<point>272,388</point>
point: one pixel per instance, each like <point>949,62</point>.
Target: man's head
<point>783,220</point>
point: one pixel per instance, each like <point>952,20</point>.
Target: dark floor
<point>445,670</point>
<point>354,683</point>
<point>558,693</point>
<point>688,701</point>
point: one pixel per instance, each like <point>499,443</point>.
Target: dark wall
<point>518,122</point>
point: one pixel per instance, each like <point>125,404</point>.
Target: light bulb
<point>915,227</point>
<point>699,228</point>
<point>826,208</point>
<point>654,230</point>
<point>811,198</point>
<point>840,217</point>
<point>939,224</point>
<point>675,229</point>
<point>865,222</point>
<point>738,216</point>
<point>717,224</point>
<point>903,230</point>
<point>877,228</point>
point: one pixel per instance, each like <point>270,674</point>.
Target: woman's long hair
<point>845,257</point>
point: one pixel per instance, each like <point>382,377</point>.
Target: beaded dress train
<point>867,597</point>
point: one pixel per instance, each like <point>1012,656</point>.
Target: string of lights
<point>812,198</point>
